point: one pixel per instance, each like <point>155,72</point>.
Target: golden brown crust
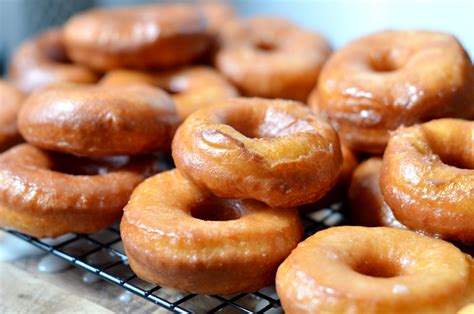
<point>375,270</point>
<point>392,78</point>
<point>274,151</point>
<point>42,61</point>
<point>427,178</point>
<point>38,199</point>
<point>271,57</point>
<point>152,36</point>
<point>10,104</point>
<point>349,164</point>
<point>368,207</point>
<point>339,192</point>
<point>191,88</point>
<point>99,120</point>
<point>166,245</point>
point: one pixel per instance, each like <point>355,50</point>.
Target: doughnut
<point>217,14</point>
<point>374,270</point>
<point>95,121</point>
<point>191,88</point>
<point>468,309</point>
<point>43,195</point>
<point>349,164</point>
<point>427,178</point>
<point>339,191</point>
<point>150,36</point>
<point>271,57</point>
<point>42,61</point>
<point>392,78</point>
<point>10,102</point>
<point>177,235</point>
<point>274,151</point>
<point>368,208</point>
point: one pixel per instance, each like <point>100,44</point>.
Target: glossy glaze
<point>368,207</point>
<point>10,104</point>
<point>271,57</point>
<point>392,78</point>
<point>339,192</point>
<point>274,151</point>
<point>42,61</point>
<point>427,178</point>
<point>99,120</point>
<point>155,36</point>
<point>190,88</point>
<point>375,270</point>
<point>38,199</point>
<point>166,245</point>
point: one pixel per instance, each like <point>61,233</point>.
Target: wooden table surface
<point>23,289</point>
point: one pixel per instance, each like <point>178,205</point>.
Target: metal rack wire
<point>117,271</point>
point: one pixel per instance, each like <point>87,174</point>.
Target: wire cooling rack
<point>117,271</point>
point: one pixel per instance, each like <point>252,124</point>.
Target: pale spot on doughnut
<point>400,289</point>
<point>218,140</point>
<point>355,92</point>
<point>178,83</point>
<point>410,173</point>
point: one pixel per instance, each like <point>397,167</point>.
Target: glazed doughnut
<point>176,235</point>
<point>191,88</point>
<point>42,61</point>
<point>152,36</point>
<point>99,121</point>
<point>427,178</point>
<point>271,57</point>
<point>339,191</point>
<point>43,196</point>
<point>217,14</point>
<point>349,164</point>
<point>393,78</point>
<point>10,103</point>
<point>468,309</point>
<point>274,151</point>
<point>368,207</point>
<point>375,270</point>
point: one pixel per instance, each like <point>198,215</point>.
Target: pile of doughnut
<point>263,122</point>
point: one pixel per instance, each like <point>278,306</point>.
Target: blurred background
<point>339,20</point>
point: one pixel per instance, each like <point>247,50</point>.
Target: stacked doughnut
<point>82,160</point>
<point>230,219</point>
<point>97,98</point>
<point>425,182</point>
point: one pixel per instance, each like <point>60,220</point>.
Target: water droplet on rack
<point>58,240</point>
<point>90,278</point>
<point>52,264</point>
<point>125,297</point>
<point>100,258</point>
<point>334,219</point>
<point>336,206</point>
<point>320,215</point>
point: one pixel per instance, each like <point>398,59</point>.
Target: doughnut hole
<point>379,267</point>
<point>215,210</point>
<point>265,46</point>
<point>384,62</point>
<point>257,124</point>
<point>454,149</point>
